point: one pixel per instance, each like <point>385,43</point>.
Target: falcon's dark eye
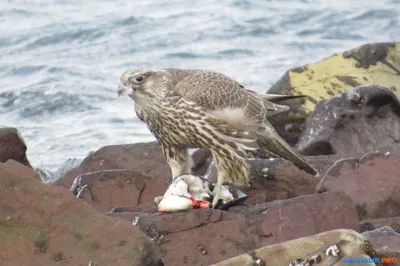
<point>139,78</point>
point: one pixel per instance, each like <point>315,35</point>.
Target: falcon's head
<point>141,82</point>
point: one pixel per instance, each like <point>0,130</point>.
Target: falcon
<point>192,108</point>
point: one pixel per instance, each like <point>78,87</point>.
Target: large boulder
<point>110,188</point>
<point>144,157</point>
<point>372,182</point>
<point>376,63</point>
<point>271,179</point>
<point>12,146</point>
<point>46,225</point>
<point>105,174</point>
<point>206,236</point>
<point>363,119</point>
<point>328,248</point>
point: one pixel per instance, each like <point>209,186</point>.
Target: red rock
<point>206,236</point>
<point>46,225</point>
<point>372,182</point>
<point>144,157</point>
<point>110,188</point>
<point>278,179</point>
<point>12,146</point>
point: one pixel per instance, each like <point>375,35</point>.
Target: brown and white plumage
<point>190,108</point>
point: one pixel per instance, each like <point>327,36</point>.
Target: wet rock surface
<point>361,120</point>
<point>12,146</point>
<point>46,225</point>
<point>205,236</point>
<point>372,182</point>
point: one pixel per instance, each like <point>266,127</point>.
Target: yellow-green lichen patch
<point>377,63</point>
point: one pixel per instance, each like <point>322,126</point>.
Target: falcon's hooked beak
<point>122,90</point>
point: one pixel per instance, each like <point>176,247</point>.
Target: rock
<point>142,208</point>
<point>376,63</point>
<point>202,159</point>
<point>146,158</point>
<point>393,222</point>
<point>46,225</point>
<point>206,236</point>
<point>385,241</point>
<point>289,125</point>
<point>372,182</point>
<point>270,179</point>
<point>12,146</point>
<point>313,248</point>
<point>110,188</point>
<point>278,179</point>
<point>363,119</point>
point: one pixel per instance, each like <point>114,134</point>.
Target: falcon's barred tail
<point>270,140</point>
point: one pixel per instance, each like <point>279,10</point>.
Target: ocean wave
<point>61,60</point>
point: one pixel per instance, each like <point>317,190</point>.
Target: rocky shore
<point>102,212</point>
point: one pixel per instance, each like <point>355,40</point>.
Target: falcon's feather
<point>217,92</point>
<point>190,108</point>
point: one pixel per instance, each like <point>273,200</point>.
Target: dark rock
<point>289,125</point>
<point>110,188</point>
<point>370,54</point>
<point>202,159</point>
<point>361,120</point>
<point>46,225</point>
<point>205,236</point>
<point>372,182</point>
<point>12,146</point>
<point>386,242</point>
